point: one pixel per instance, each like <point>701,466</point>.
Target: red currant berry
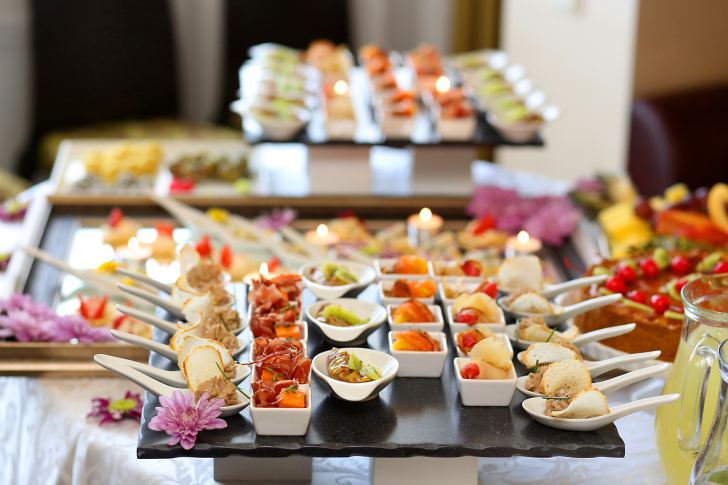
<point>659,303</point>
<point>649,268</point>
<point>470,371</point>
<point>721,267</point>
<point>637,296</point>
<point>627,273</point>
<point>615,284</point>
<point>680,264</point>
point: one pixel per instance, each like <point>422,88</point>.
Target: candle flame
<point>322,230</point>
<point>264,270</point>
<point>341,87</point>
<point>133,244</point>
<point>523,237</point>
<point>443,84</point>
<point>425,214</point>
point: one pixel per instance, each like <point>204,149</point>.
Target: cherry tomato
<point>273,264</point>
<point>649,268</point>
<point>226,256</point>
<point>637,296</point>
<point>489,288</point>
<point>680,264</point>
<point>92,307</point>
<point>721,267</point>
<point>203,245</point>
<point>115,217</point>
<point>469,340</point>
<point>181,184</point>
<point>615,284</point>
<point>470,371</point>
<point>660,303</point>
<point>467,316</point>
<point>679,285</point>
<point>627,273</point>
<point>164,228</point>
<point>472,268</point>
<point>485,223</point>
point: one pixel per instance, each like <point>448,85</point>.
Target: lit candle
<point>262,272</point>
<point>522,245</point>
<point>443,84</point>
<point>421,227</point>
<point>321,236</point>
<point>341,87</point>
<point>134,252</point>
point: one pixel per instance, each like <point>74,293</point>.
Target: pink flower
<point>554,222</point>
<point>76,327</point>
<point>27,327</point>
<point>181,419</point>
<point>109,411</point>
<point>277,219</point>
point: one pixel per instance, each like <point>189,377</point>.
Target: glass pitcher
<point>705,326</point>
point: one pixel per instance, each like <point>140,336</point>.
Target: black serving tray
<point>411,417</point>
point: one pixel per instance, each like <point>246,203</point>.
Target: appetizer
<point>566,376</point>
<point>349,368</point>
<point>527,301</point>
<point>403,288</point>
<point>118,229</point>
<point>98,313</point>
<point>374,59</point>
<point>455,290</point>
<point>126,158</point>
<point>211,327</point>
<point>412,311</point>
<point>586,404</point>
<point>281,359</point>
<point>466,268</point>
<point>279,394</point>
<point>202,166</point>
<point>475,308</point>
<point>489,359</point>
<point>550,352</point>
<point>426,60</point>
<point>339,317</point>
<point>237,265</point>
<point>467,339</point>
<point>521,272</point>
<point>163,246</point>
<point>534,329</point>
<point>278,294</point>
<point>330,59</point>
<point>482,233</point>
<point>408,265</point>
<point>416,341</point>
<point>330,274</point>
<point>203,367</point>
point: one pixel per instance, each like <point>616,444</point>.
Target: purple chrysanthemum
<point>27,327</point>
<point>76,327</point>
<point>554,222</point>
<point>277,219</point>
<point>109,411</point>
<point>180,418</point>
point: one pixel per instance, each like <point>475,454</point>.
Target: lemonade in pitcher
<point>706,320</point>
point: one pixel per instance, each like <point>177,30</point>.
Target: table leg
<point>424,471</point>
<point>292,470</point>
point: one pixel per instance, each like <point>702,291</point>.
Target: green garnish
<point>231,382</point>
<point>276,375</point>
<point>223,322</point>
<point>552,334</point>
<point>555,398</point>
<point>535,369</point>
<point>292,388</point>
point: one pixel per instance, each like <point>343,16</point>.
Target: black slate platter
<point>411,417</point>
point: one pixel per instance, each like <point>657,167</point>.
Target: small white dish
<point>484,392</point>
<point>254,373</point>
<point>420,364</point>
<point>456,129</point>
<point>383,268</point>
<point>500,336</point>
<point>270,421</point>
<point>437,326</point>
<point>456,328</point>
<point>390,300</point>
<point>355,335</point>
<point>363,272</point>
<point>362,391</point>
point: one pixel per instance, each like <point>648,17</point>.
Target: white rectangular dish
<point>436,326</point>
<point>482,392</point>
<point>500,336</point>
<point>420,364</point>
<point>269,421</point>
<point>381,266</point>
<point>390,300</point>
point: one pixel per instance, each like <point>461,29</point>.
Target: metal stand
<point>424,471</point>
<point>292,470</point>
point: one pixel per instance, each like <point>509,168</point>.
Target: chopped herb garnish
<point>223,322</point>
<point>286,308</point>
<point>556,398</point>
<point>291,338</point>
<point>292,388</point>
<point>552,334</point>
<point>231,382</point>
<point>535,369</point>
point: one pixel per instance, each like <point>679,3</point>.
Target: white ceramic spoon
<point>608,386</point>
<point>160,348</point>
<point>599,367</point>
<point>175,378</point>
<point>153,299</point>
<point>536,407</point>
<point>161,324</point>
<point>563,313</point>
<point>550,291</point>
<point>135,275</point>
<point>583,339</point>
<point>157,388</point>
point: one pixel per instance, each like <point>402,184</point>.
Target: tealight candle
<point>321,236</point>
<point>442,85</point>
<point>422,227</point>
<point>262,272</point>
<point>134,253</point>
<point>522,245</point>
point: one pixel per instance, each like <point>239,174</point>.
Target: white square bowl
<point>390,300</point>
<point>254,374</point>
<point>437,326</point>
<point>483,392</point>
<point>387,264</point>
<point>456,328</point>
<point>420,364</point>
<point>500,336</point>
<point>282,421</point>
<point>363,272</point>
<point>362,391</point>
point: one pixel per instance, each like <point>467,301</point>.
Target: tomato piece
<point>470,371</point>
<point>627,273</point>
<point>273,264</point>
<point>649,268</point>
<point>615,284</point>
<point>637,296</point>
<point>203,245</point>
<point>92,307</point>
<point>467,316</point>
<point>164,228</point>
<point>680,264</point>
<point>226,256</point>
<point>660,303</point>
<point>181,185</point>
<point>485,223</point>
<point>472,268</point>
<point>489,288</point>
<point>469,340</point>
<point>720,267</point>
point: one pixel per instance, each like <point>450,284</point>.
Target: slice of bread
<point>546,353</point>
<point>541,333</point>
<point>176,341</point>
<point>188,259</point>
<point>569,375</point>
<point>182,292</point>
<point>203,304</point>
<point>587,404</point>
<point>531,303</point>
<point>479,301</point>
<point>521,272</point>
<point>201,365</point>
<point>189,343</point>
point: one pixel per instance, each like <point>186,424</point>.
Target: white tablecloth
<point>45,439</point>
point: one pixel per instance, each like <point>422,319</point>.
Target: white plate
<point>388,264</point>
<point>456,328</point>
<point>500,336</point>
<point>363,272</point>
<point>282,421</point>
<point>355,335</point>
<point>390,300</point>
<point>420,364</point>
<point>362,391</point>
<point>435,326</point>
<point>483,392</point>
